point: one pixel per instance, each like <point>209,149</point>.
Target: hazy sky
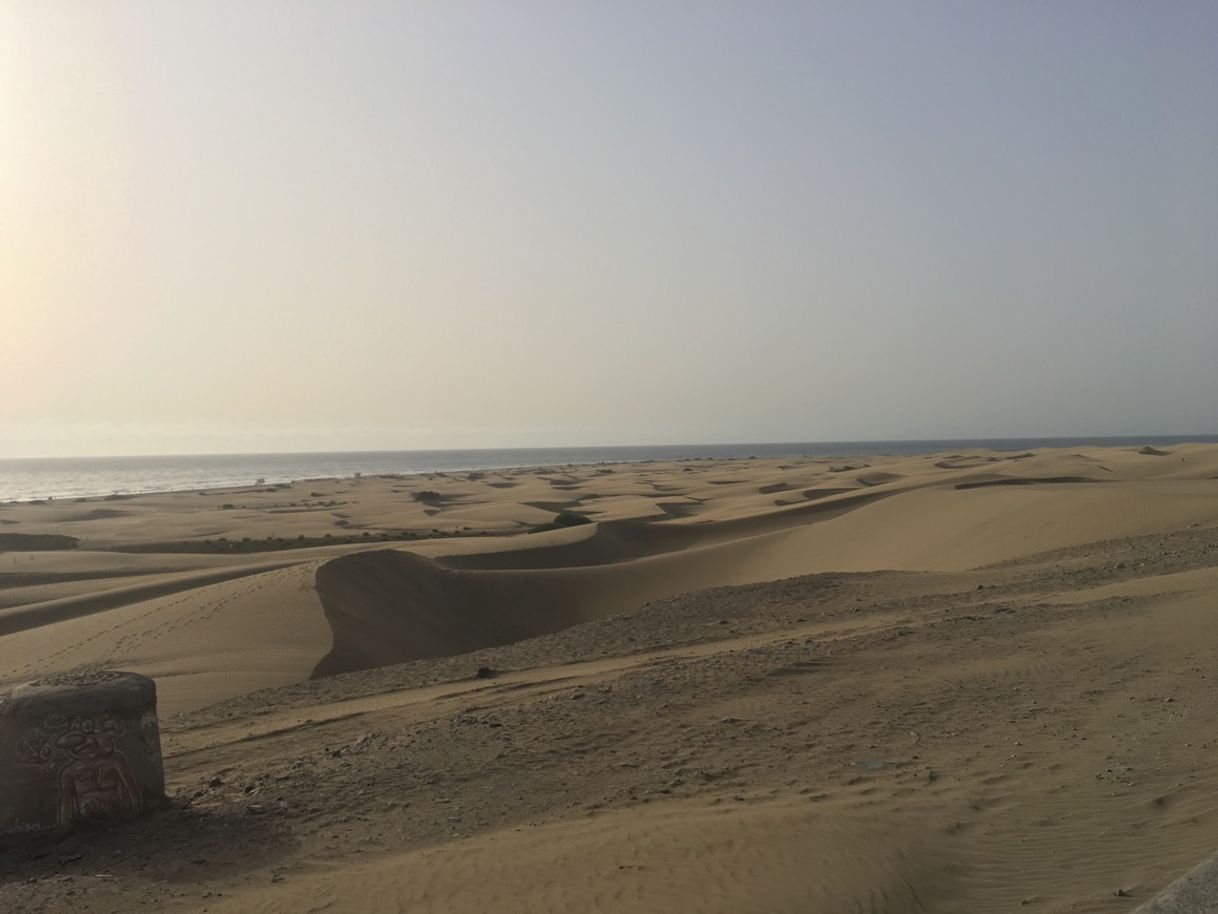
<point>260,226</point>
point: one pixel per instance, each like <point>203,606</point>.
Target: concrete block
<point>74,748</point>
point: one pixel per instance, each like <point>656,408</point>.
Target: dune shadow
<point>1022,481</point>
<point>387,607</point>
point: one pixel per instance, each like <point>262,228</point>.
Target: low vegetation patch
<point>36,542</point>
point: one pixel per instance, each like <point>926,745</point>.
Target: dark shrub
<point>570,519</point>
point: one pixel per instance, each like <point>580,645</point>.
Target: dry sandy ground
<point>957,683</point>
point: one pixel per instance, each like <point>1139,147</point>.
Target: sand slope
<point>780,856</point>
<point>961,683</point>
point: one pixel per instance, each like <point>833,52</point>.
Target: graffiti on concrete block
<point>92,775</point>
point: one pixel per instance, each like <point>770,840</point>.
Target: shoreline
<point>777,450</point>
<point>272,484</point>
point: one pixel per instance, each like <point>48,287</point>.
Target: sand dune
<point>908,514</point>
<point>388,608</point>
<point>204,639</point>
<point>32,615</point>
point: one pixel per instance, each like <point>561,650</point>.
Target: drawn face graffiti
<point>93,776</point>
<point>87,739</point>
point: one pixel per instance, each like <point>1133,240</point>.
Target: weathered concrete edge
<point>1196,892</point>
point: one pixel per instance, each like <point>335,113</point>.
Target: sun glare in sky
<point>272,226</point>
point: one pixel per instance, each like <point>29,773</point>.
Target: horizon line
<point>1182,438</point>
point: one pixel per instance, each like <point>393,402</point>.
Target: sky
<point>286,226</point>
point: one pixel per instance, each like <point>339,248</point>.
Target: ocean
<point>23,479</point>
